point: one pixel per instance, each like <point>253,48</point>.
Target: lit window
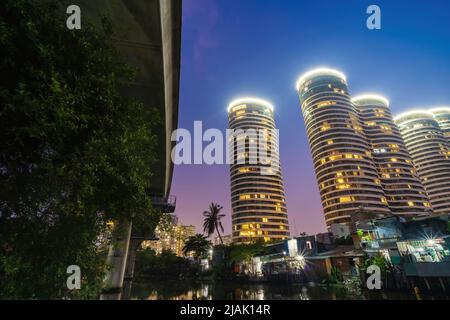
<point>336,157</point>
<point>394,147</point>
<point>326,103</point>
<point>240,107</point>
<point>345,199</point>
<point>325,127</point>
<point>410,203</point>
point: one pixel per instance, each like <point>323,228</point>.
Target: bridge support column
<point>117,260</point>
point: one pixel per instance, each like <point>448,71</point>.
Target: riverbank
<point>237,290</point>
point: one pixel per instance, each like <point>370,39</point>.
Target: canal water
<point>180,290</point>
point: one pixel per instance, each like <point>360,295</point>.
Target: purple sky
<point>233,48</point>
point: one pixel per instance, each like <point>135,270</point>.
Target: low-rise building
<point>419,248</point>
<point>286,258</point>
<point>343,261</point>
<point>340,230</point>
<point>227,240</point>
<point>170,235</point>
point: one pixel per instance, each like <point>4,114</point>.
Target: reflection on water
<point>179,290</point>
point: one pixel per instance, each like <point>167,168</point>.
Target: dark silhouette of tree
<point>211,222</point>
<point>75,152</point>
<point>197,244</point>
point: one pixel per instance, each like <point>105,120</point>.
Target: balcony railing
<point>164,204</point>
<point>383,243</point>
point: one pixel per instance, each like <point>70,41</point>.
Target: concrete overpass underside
<point>148,36</point>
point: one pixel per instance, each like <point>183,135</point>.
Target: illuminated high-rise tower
<point>426,142</point>
<point>345,170</point>
<point>442,116</point>
<point>257,195</point>
<point>404,191</point>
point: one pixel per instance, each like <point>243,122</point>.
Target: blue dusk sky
<point>234,48</point>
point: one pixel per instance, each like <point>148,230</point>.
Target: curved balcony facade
<point>404,191</point>
<point>342,158</point>
<point>429,148</point>
<point>257,199</point>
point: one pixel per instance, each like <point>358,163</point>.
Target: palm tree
<point>197,244</point>
<point>212,220</point>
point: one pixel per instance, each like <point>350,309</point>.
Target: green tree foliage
<point>225,257</point>
<point>74,153</point>
<point>244,252</point>
<point>212,221</point>
<point>377,260</point>
<point>198,245</point>
<point>335,276</point>
<point>167,265</point>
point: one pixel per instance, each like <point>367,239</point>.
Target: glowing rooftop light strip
<point>245,100</point>
<point>411,113</point>
<point>371,96</point>
<point>439,109</point>
<point>319,72</point>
